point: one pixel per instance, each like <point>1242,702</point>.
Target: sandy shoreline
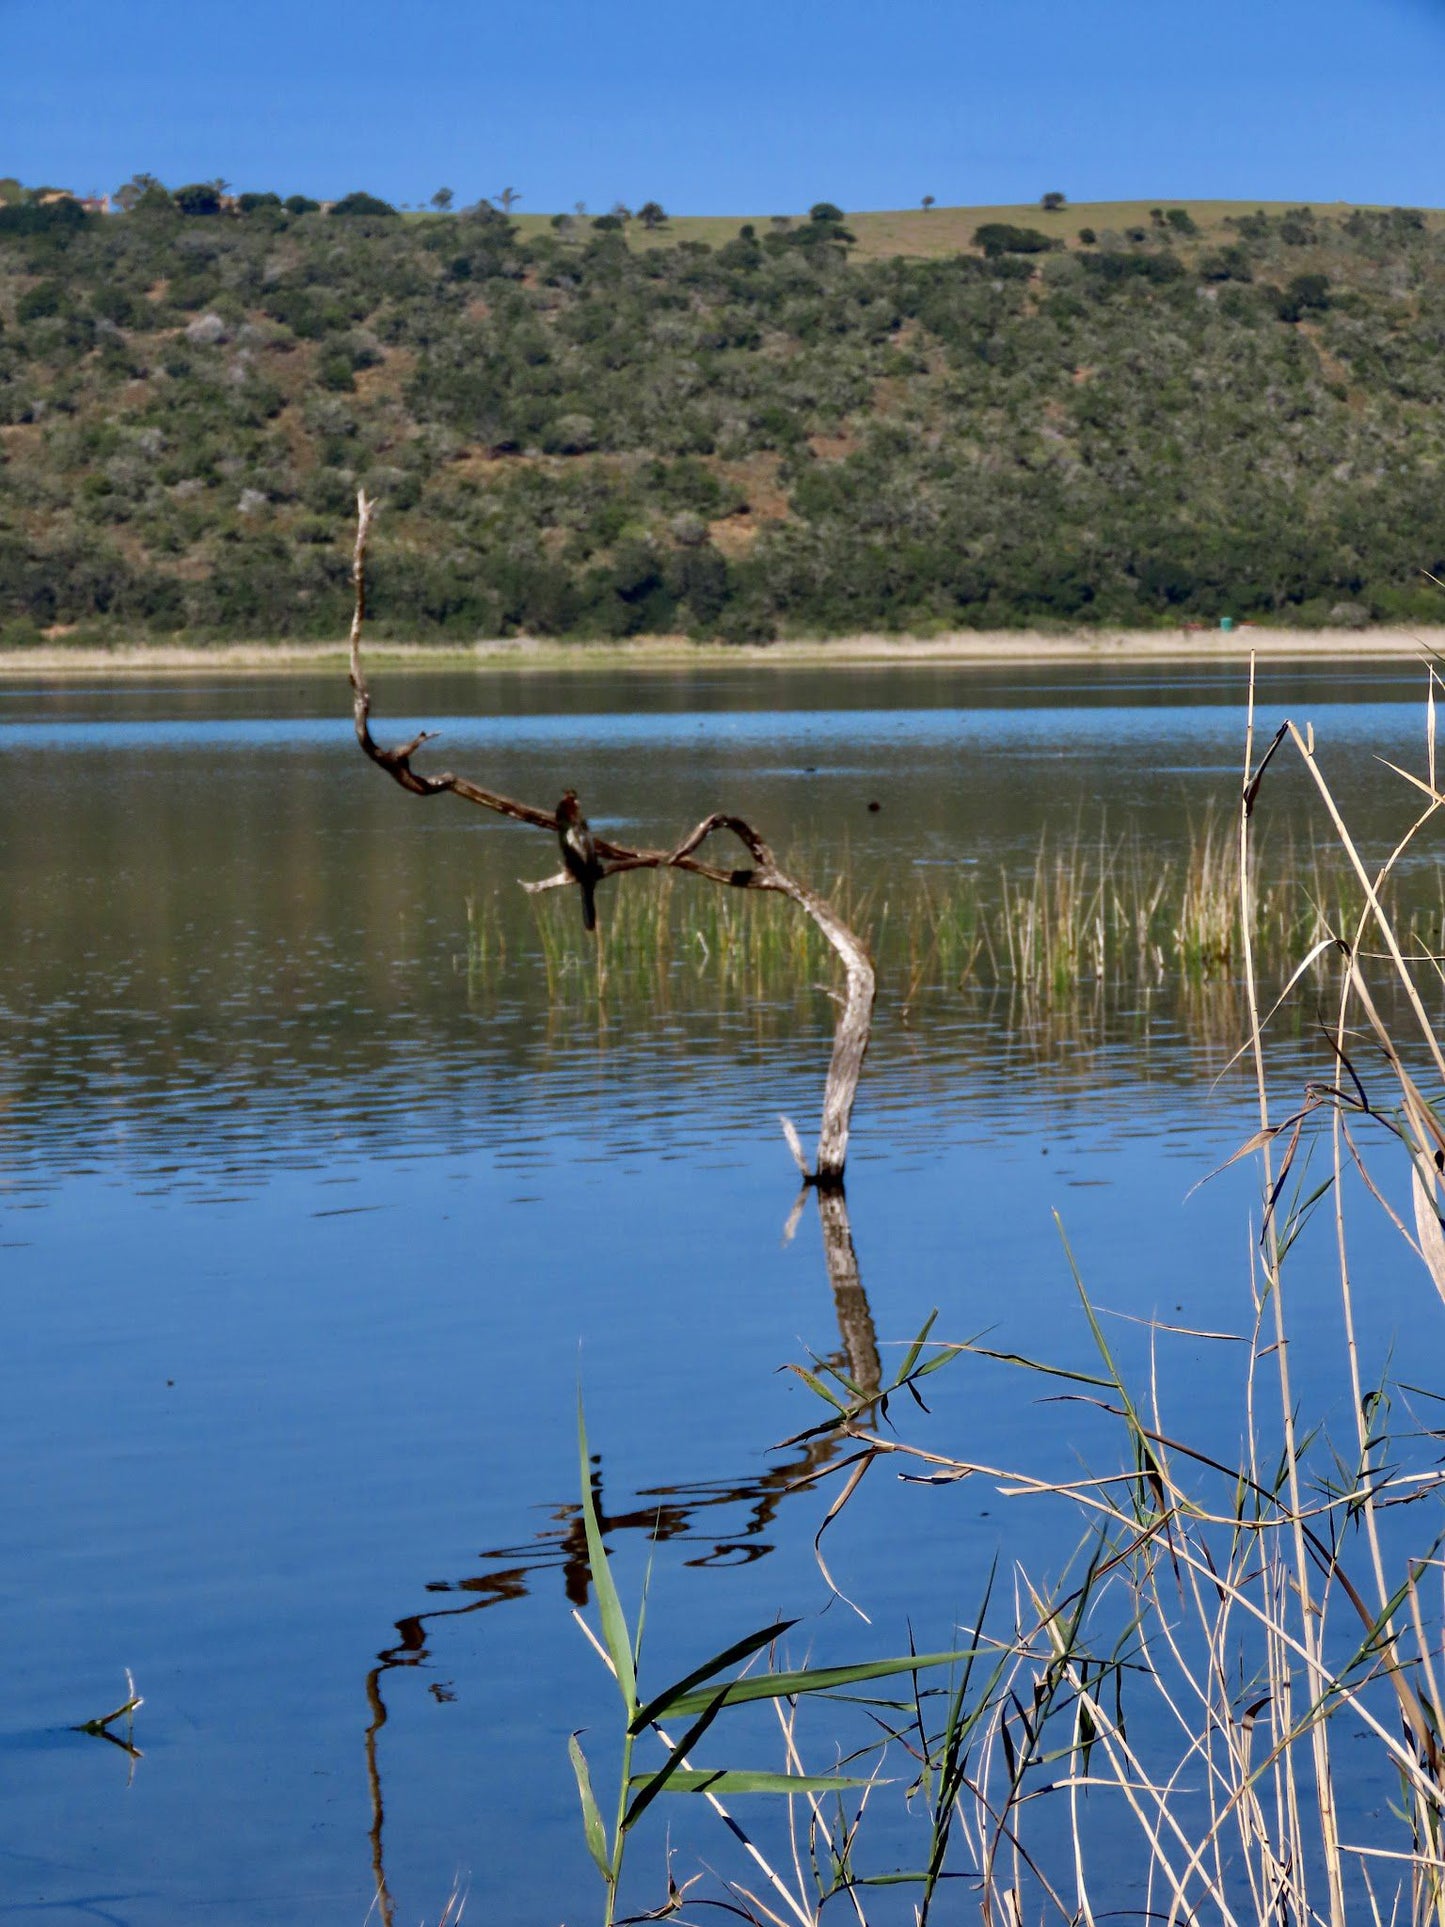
<point>983,649</point>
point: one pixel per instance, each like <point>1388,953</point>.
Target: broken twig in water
<point>761,872</point>
<point>100,1728</point>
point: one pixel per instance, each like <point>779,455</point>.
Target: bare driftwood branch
<point>761,872</point>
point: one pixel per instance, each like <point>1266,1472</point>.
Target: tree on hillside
<point>362,204</point>
<point>927,202</point>
<point>155,200</point>
<point>652,215</point>
<point>1051,203</point>
<point>508,198</point>
<point>825,211</point>
<point>128,196</point>
<point>1306,294</point>
<point>442,199</point>
<point>198,197</point>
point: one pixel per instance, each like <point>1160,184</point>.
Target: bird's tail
<point>589,906</point>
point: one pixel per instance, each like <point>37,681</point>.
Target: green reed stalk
<point>1089,911</point>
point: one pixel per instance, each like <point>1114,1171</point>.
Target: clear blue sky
<point>748,106</point>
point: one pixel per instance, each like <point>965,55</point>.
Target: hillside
<point>734,429</point>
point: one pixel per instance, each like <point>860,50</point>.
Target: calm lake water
<point>310,1230</point>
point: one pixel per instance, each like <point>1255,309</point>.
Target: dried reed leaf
<point>1428,1229</point>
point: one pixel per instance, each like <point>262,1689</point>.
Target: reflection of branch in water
<point>850,1301</point>
<point>667,1513</point>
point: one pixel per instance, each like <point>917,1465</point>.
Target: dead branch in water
<point>850,1041</point>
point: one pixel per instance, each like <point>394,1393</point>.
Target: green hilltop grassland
<point>600,428</point>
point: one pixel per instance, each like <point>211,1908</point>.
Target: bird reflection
<point>679,1514</point>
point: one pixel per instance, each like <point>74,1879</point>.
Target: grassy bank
<point>61,656</point>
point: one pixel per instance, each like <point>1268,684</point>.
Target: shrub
<point>1393,224</point>
<point>200,197</point>
<point>301,204</point>
<point>46,298</point>
<point>570,435</point>
<point>359,203</point>
<point>698,576</point>
<point>114,304</point>
<point>1229,264</point>
<point>1112,268</point>
<point>154,199</point>
<point>56,217</point>
<point>1306,294</point>
<point>1001,237</point>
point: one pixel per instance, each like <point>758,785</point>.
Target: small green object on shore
<point>1226,623</point>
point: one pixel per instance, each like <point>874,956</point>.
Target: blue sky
<point>752,106</point>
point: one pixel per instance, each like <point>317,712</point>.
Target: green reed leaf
<point>820,1679</point>
<point>591,1817</point>
<point>815,1384</point>
<point>669,1699</point>
<point>741,1780</point>
<point>911,1358</point>
<point>614,1621</point>
<point>655,1783</point>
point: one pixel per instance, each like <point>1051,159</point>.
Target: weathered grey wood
<point>761,872</point>
<point>850,1301</point>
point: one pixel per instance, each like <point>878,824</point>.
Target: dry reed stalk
<point>1193,1663</point>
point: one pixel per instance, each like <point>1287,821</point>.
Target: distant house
<point>92,203</point>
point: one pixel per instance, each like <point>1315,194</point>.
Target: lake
<point>316,1213</point>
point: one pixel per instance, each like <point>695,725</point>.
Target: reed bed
<point>1091,909</point>
<point>1227,1702</point>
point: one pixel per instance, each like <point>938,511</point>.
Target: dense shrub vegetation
<point>573,435</point>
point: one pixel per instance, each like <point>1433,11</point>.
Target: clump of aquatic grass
<point>1095,909</point>
<point>656,932</point>
<point>1229,1703</point>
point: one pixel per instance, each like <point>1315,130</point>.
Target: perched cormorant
<point>579,854</point>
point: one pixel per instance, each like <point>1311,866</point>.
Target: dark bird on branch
<point>579,854</point>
